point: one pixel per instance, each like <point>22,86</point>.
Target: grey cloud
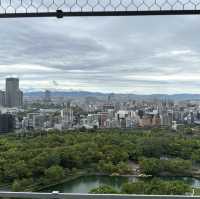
<point>108,49</point>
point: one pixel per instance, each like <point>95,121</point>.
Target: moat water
<point>85,183</point>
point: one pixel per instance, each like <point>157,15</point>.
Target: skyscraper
<point>2,98</point>
<point>14,96</point>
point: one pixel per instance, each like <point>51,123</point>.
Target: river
<point>85,183</point>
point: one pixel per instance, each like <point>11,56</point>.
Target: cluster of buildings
<point>139,116</point>
<point>90,112</point>
<point>48,119</point>
<point>127,115</point>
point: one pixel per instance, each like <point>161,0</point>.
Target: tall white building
<point>67,116</point>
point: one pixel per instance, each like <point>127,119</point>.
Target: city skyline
<point>120,55</point>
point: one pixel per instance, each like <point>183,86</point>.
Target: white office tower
<point>14,96</point>
<point>67,117</point>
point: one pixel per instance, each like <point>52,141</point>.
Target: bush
<point>153,166</point>
<point>54,173</point>
<point>156,187</point>
<point>21,185</point>
<point>104,190</point>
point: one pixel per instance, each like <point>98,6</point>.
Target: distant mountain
<point>64,94</point>
<point>84,94</point>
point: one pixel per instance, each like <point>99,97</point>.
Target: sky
<point>141,55</point>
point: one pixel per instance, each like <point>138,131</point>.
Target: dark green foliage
<point>54,173</point>
<point>149,187</point>
<point>20,185</point>
<point>153,166</point>
<point>102,151</point>
<point>156,187</point>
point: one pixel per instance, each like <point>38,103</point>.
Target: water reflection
<point>85,183</point>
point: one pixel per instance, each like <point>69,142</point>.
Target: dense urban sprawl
<point>47,139</point>
<point>47,112</point>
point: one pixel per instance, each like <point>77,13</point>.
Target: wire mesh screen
<point>61,8</point>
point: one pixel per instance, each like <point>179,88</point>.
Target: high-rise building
<point>14,96</point>
<point>2,98</point>
<point>67,116</point>
<point>7,123</point>
<point>47,96</point>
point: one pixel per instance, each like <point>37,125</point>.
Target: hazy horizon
<point>87,91</point>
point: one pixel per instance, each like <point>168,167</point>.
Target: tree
<point>16,186</point>
<point>20,185</point>
<point>54,173</point>
<point>17,170</point>
<point>123,168</point>
<point>156,187</point>
<point>106,167</point>
<point>107,151</point>
<point>155,166</point>
<point>150,166</point>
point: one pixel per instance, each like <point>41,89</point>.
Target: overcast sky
<point>141,55</point>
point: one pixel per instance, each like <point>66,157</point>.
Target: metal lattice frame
<point>60,8</point>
